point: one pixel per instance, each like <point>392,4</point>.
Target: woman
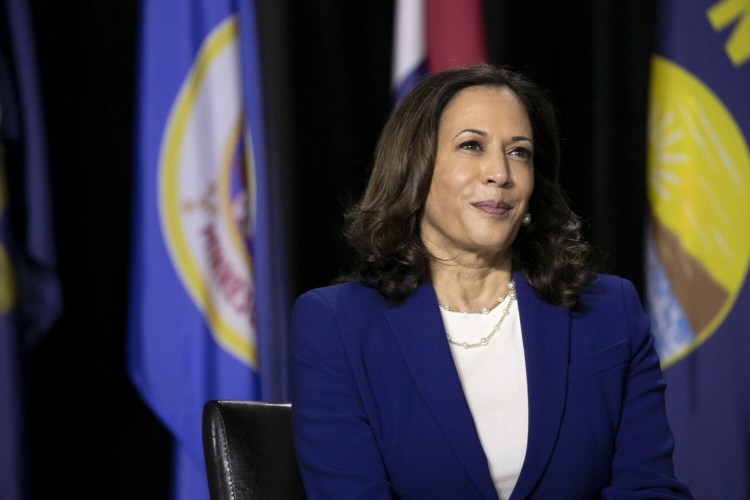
<point>474,353</point>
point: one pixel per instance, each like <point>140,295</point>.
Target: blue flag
<point>30,295</point>
<point>207,301</point>
<point>698,242</point>
<point>11,447</point>
<point>11,429</point>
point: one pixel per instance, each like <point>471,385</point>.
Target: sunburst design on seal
<point>698,182</point>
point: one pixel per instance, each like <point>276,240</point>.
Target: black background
<point>327,72</point>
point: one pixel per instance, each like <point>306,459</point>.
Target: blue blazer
<point>378,410</point>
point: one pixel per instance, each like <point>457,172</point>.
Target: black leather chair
<point>248,450</point>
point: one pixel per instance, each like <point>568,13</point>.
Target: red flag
<point>455,34</point>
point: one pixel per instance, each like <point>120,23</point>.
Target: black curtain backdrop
<point>327,74</point>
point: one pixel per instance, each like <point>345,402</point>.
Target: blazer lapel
<point>420,334</point>
<point>546,333</point>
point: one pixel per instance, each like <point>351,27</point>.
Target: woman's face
<point>483,175</point>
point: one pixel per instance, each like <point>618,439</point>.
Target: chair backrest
<point>248,450</point>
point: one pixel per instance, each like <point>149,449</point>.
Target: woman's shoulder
<point>341,296</point>
<point>608,285</point>
<point>330,314</point>
<point>611,311</point>
<point>610,294</point>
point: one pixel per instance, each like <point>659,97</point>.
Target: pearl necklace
<point>484,310</point>
<point>511,286</point>
<point>486,340</point>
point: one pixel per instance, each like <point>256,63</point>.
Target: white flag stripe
<point>409,47</point>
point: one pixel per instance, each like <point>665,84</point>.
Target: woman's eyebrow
<point>482,133</point>
<point>521,138</point>
<point>473,131</point>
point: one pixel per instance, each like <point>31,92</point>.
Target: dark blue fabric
<point>378,410</point>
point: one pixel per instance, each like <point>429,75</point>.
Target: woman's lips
<point>492,207</point>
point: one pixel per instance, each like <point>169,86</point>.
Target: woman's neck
<point>470,283</point>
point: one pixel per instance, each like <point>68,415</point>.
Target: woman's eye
<point>470,145</point>
<point>520,152</point>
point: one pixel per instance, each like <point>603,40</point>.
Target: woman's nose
<point>497,171</point>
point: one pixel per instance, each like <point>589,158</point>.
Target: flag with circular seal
<point>698,237</point>
<point>202,255</point>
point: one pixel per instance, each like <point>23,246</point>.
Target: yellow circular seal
<point>205,193</point>
<point>698,181</point>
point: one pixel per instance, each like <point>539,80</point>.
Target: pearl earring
<point>526,219</point>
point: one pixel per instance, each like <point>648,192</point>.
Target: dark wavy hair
<point>384,227</point>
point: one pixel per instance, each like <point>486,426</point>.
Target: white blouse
<point>493,377</point>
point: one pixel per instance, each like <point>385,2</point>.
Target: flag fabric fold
<point>30,293</point>
<point>698,238</point>
<point>203,278</point>
<point>434,35</point>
